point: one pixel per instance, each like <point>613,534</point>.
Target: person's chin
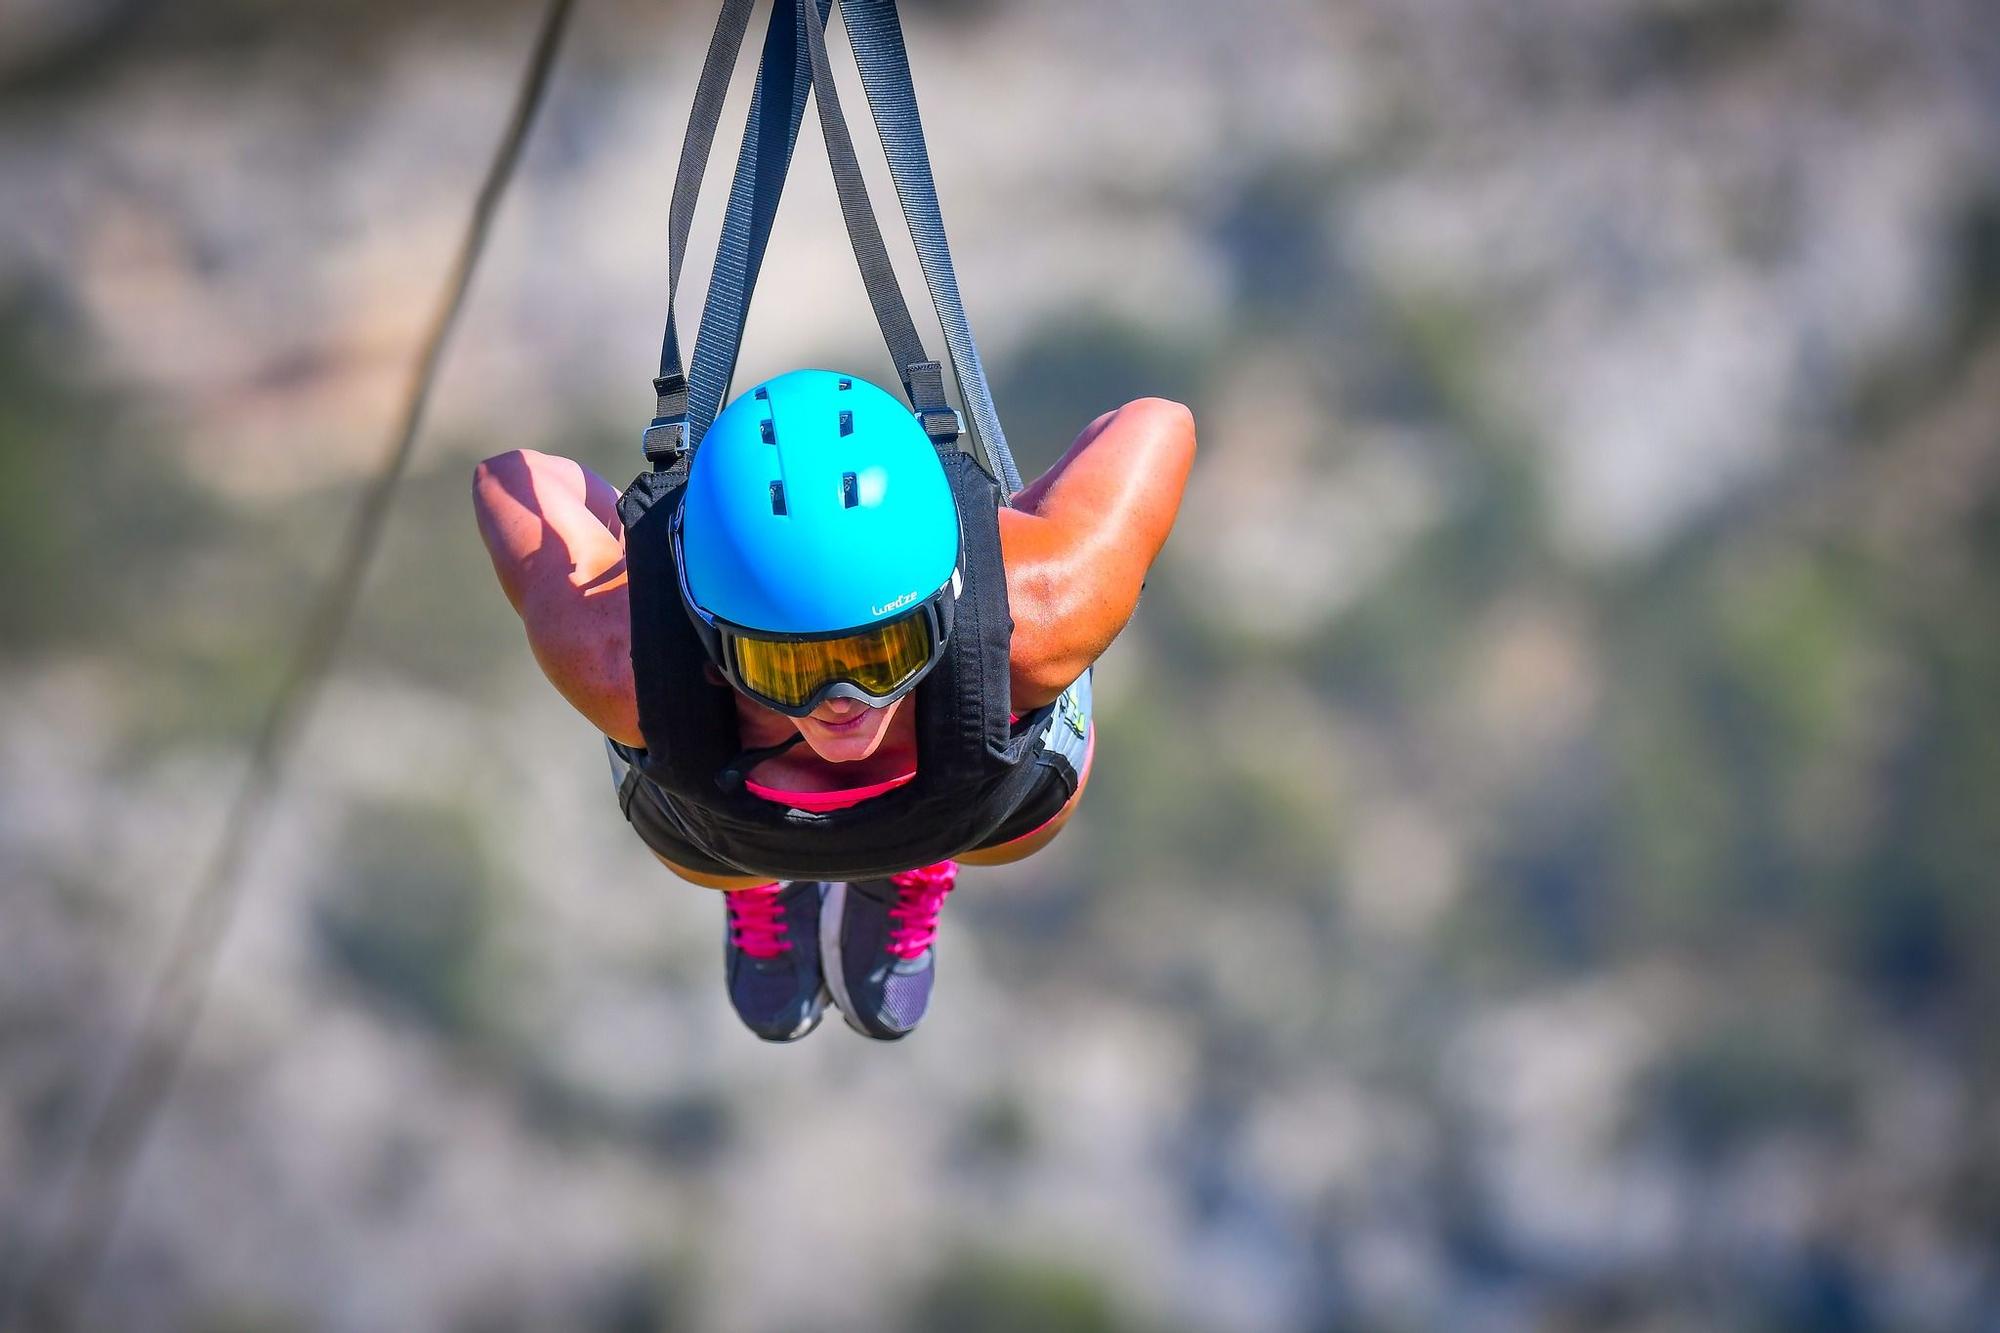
<point>845,746</point>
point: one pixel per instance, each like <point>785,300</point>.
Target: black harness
<point>975,766</point>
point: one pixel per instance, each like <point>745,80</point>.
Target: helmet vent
<point>846,383</point>
<point>778,498</point>
<point>769,429</point>
<point>762,395</point>
<point>850,488</point>
<point>847,423</point>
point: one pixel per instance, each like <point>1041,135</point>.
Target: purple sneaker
<point>771,959</point>
<point>876,939</point>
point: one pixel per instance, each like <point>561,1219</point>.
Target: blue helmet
<point>817,512</point>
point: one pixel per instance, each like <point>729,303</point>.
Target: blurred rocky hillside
<point>1539,869</point>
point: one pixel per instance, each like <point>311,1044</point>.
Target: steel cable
<point>55,1284</point>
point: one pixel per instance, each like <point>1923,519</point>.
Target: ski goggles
<point>877,666</point>
<point>796,673</point>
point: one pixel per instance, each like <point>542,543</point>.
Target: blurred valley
<point>1539,872</point>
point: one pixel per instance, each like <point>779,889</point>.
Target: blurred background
<point>1539,872</point>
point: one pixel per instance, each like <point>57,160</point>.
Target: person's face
<point>843,730</point>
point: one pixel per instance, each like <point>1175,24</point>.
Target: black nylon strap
<point>876,34</point>
<point>733,773</point>
<point>777,108</point>
<point>664,438</point>
<point>788,70</point>
<point>924,382</point>
<point>885,295</point>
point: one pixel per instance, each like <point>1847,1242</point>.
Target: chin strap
<point>734,773</point>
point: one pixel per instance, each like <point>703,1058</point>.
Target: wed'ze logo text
<point>896,605</point>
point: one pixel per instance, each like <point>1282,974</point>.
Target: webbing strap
<point>664,438</point>
<point>876,34</point>
<point>794,60</point>
<point>777,107</point>
<point>885,294</point>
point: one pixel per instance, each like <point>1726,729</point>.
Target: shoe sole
<point>805,1027</point>
<point>833,971</point>
<point>818,1010</point>
<point>832,907</point>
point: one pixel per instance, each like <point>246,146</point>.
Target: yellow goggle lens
<point>878,660</point>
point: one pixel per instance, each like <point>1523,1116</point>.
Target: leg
<point>1071,735</point>
<point>723,882</point>
<point>1025,846</point>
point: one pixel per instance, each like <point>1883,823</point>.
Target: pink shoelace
<point>757,921</point>
<point>920,893</point>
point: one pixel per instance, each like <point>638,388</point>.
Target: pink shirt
<point>819,802</point>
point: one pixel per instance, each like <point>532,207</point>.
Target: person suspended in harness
<point>832,656</point>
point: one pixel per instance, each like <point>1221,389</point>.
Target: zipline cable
<point>52,1291</point>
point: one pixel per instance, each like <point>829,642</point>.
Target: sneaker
<point>876,936</point>
<point>771,959</point>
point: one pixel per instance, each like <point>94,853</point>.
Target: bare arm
<point>1082,537</point>
<point>551,526</point>
<point>1076,548</point>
